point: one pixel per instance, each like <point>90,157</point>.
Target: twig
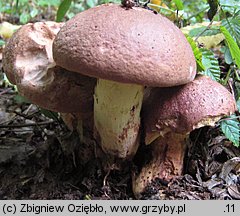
<point>5,91</point>
<point>105,177</point>
<point>162,8</point>
<point>208,26</point>
<point>11,139</point>
<point>73,186</point>
<point>237,76</point>
<point>105,182</point>
<point>27,125</point>
<point>194,15</point>
<point>230,84</point>
<point>227,77</point>
<point>26,116</point>
<point>231,118</point>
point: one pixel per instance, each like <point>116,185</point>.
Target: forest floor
<point>41,159</point>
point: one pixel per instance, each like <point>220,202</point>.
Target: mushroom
<point>126,50</point>
<point>169,115</point>
<point>28,63</point>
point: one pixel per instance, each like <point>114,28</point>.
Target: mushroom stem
<point>117,116</point>
<point>166,161</point>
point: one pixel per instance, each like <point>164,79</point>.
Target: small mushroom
<point>28,63</point>
<point>169,115</point>
<point>126,50</point>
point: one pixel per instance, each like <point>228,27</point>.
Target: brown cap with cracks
<point>130,46</point>
<point>28,63</point>
<point>169,114</point>
<point>185,108</point>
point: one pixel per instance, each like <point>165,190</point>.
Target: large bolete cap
<point>130,46</point>
<point>182,109</point>
<point>28,63</point>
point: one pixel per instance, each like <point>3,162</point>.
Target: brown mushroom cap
<point>28,63</point>
<point>67,92</point>
<point>185,108</point>
<point>130,46</point>
<point>30,47</point>
<point>169,114</point>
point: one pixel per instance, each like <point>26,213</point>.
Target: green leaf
<point>62,10</point>
<point>237,84</point>
<point>179,4</point>
<point>234,49</point>
<point>22,1</point>
<point>6,9</point>
<point>214,30</point>
<point>197,53</point>
<point>227,55</point>
<point>230,128</point>
<point>90,3</point>
<point>210,64</point>
<point>45,3</point>
<point>232,24</point>
<point>230,5</point>
<point>49,114</point>
<point>20,99</point>
<point>238,104</point>
<point>34,12</point>
<point>24,18</point>
<point>2,42</point>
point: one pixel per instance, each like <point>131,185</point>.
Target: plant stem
<point>162,8</point>
<point>208,26</point>
<point>194,15</point>
<point>27,125</point>
<point>231,118</point>
<point>227,77</point>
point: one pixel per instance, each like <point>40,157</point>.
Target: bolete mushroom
<point>126,50</point>
<point>28,63</point>
<point>169,115</point>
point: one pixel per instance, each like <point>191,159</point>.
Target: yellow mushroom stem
<point>166,162</point>
<point>117,109</point>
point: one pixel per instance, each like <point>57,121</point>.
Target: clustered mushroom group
<point>114,68</point>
